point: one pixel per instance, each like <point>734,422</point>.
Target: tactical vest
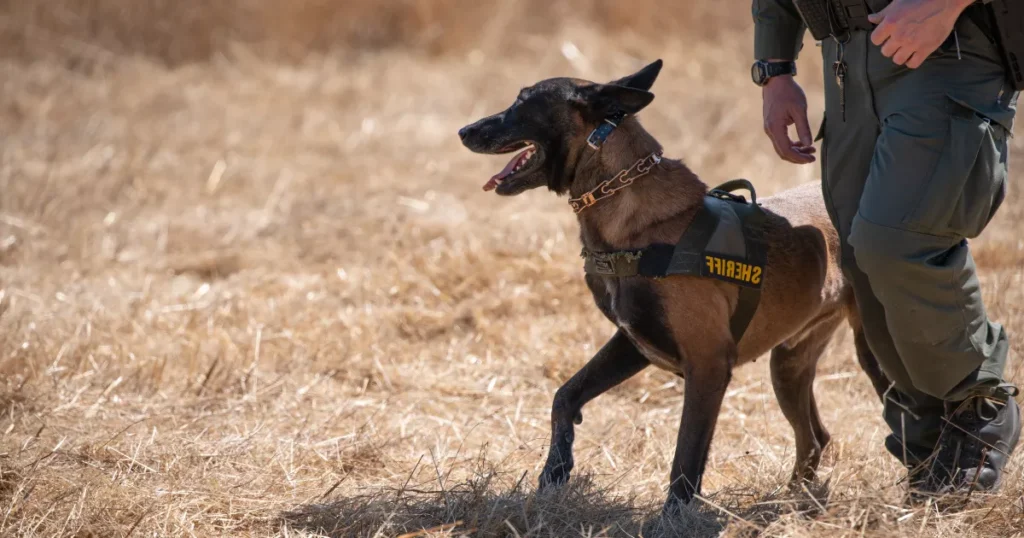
<point>724,241</point>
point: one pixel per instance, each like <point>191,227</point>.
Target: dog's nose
<point>464,132</point>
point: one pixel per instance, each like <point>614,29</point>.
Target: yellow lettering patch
<point>732,270</point>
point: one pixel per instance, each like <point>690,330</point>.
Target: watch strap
<point>774,69</point>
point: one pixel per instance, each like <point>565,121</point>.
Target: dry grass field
<point>250,286</point>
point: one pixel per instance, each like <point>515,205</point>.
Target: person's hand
<point>785,105</point>
<point>910,30</point>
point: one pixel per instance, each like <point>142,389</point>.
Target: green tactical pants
<point>918,167</point>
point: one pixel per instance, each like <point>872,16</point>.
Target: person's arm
<point>778,35</point>
<point>778,30</point>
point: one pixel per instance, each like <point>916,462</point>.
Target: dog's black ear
<point>607,99</point>
<point>642,79</point>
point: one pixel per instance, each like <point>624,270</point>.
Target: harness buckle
<point>618,264</point>
<point>603,264</point>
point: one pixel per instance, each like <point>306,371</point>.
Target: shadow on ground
<point>475,508</point>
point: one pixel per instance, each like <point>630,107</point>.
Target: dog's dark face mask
<point>549,123</point>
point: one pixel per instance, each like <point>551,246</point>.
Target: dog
<point>679,323</point>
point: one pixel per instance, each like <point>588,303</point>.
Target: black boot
<point>922,476</point>
<point>979,435</point>
<point>916,422</point>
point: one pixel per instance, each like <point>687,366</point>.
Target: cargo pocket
<point>826,186</point>
<point>969,181</point>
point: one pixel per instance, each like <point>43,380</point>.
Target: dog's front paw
<point>555,475</point>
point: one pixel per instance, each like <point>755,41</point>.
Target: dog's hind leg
<point>867,359</point>
<point>793,368</point>
<point>617,361</point>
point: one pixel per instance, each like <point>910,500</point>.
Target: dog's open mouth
<point>523,162</point>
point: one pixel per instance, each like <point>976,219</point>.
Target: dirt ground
<point>250,285</point>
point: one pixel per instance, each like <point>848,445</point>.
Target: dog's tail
<point>866,358</point>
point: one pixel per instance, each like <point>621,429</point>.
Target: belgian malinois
<point>680,324</point>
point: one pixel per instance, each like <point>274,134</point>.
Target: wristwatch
<point>761,71</point>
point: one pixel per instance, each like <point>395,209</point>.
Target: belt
<point>856,12</point>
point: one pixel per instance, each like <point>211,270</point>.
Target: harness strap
<point>649,262</point>
<point>689,255</point>
<point>753,218</point>
<point>659,259</point>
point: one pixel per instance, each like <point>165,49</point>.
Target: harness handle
<point>725,189</point>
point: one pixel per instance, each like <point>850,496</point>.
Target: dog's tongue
<point>505,172</point>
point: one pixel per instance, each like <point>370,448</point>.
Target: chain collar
<point>609,187</point>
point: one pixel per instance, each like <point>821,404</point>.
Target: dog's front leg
<point>707,377</point>
<point>617,361</point>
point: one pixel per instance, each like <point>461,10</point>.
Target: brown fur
<point>805,298</point>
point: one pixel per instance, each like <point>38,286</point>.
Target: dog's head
<point>550,122</point>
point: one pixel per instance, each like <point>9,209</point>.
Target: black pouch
<point>853,14</point>
<point>1008,19</point>
<point>834,18</point>
<point>816,15</point>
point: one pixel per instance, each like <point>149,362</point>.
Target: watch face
<point>757,73</point>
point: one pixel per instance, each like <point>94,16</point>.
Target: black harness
<point>724,241</point>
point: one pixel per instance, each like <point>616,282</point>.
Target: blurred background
<point>290,101</point>
<point>249,282</point>
<point>176,33</point>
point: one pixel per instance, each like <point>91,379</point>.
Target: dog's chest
<point>634,306</point>
<point>657,357</point>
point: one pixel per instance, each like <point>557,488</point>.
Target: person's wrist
<point>776,80</point>
<point>763,71</point>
